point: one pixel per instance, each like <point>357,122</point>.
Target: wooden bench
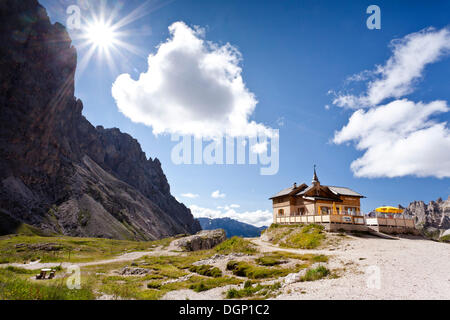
<point>41,276</point>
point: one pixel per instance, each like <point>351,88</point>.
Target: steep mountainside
<point>432,219</point>
<point>232,227</point>
<point>57,171</point>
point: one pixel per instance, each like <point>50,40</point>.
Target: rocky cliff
<point>432,219</point>
<point>57,171</point>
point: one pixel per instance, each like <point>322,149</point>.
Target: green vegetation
<point>445,238</point>
<point>23,248</point>
<point>196,283</point>
<point>269,261</point>
<point>235,244</point>
<point>202,284</point>
<point>250,290</point>
<point>278,226</point>
<point>15,286</point>
<point>316,274</point>
<point>308,237</point>
<point>280,257</point>
<point>246,269</point>
<point>164,273</point>
<point>299,236</point>
<point>206,270</point>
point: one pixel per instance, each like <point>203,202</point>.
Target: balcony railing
<point>398,221</point>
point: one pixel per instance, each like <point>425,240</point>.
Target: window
<point>324,210</point>
<point>351,211</point>
<point>280,212</point>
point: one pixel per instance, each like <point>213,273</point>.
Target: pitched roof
<point>283,192</point>
<point>345,191</point>
<point>303,190</point>
<point>289,190</point>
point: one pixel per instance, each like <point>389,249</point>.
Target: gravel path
<point>130,256</point>
<point>407,269</point>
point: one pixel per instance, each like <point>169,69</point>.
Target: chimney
<point>295,185</point>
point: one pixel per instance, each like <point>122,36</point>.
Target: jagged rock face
<point>433,218</point>
<point>57,171</point>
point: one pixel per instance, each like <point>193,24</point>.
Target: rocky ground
<point>408,268</point>
<point>361,267</point>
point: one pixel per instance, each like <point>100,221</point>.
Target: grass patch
<point>278,226</point>
<point>316,274</point>
<point>245,269</point>
<point>14,287</point>
<point>269,261</point>
<point>23,248</point>
<point>280,257</point>
<point>309,237</point>
<point>206,270</point>
<point>202,284</point>
<point>234,245</point>
<point>250,290</point>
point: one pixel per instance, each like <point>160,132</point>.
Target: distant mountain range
<point>432,219</point>
<point>231,227</point>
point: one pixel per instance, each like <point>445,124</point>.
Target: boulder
<point>294,277</point>
<point>203,240</point>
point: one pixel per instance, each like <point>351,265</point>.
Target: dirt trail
<point>130,256</point>
<point>374,268</point>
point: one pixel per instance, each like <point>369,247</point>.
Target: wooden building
<point>318,203</point>
<point>337,208</point>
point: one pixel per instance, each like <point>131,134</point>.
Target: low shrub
<point>206,270</point>
<point>251,290</point>
<point>235,244</point>
<point>309,237</point>
<point>245,269</point>
<point>316,274</point>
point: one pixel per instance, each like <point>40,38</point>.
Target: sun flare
<point>104,36</point>
<point>101,35</point>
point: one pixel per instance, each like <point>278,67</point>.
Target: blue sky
<point>296,60</point>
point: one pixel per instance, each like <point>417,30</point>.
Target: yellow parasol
<point>334,208</point>
<point>388,209</point>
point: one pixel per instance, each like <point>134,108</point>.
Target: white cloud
<point>190,195</point>
<point>192,86</point>
<point>397,77</point>
<point>231,206</point>
<point>257,218</point>
<point>401,137</point>
<point>216,194</point>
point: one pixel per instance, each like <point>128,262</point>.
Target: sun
<point>101,35</point>
<point>104,36</point>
